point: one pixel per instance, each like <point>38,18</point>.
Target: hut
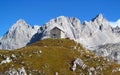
<point>57,32</point>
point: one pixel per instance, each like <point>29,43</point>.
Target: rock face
<point>111,51</point>
<point>18,35</point>
<point>97,32</point>
<point>71,27</point>
<point>90,34</point>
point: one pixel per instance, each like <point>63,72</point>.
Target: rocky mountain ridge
<point>91,34</point>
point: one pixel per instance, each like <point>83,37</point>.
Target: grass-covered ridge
<point>49,56</point>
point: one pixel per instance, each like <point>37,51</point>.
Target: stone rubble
<point>78,62</point>
<point>7,60</point>
<point>12,71</point>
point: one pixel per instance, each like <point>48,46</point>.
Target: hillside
<point>55,57</point>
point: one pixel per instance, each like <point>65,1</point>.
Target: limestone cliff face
<point>97,32</point>
<point>91,34</point>
<point>18,35</point>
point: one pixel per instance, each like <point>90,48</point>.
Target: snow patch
<point>115,24</point>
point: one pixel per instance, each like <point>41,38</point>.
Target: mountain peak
<point>65,19</point>
<point>99,17</point>
<point>61,17</point>
<point>18,35</point>
<point>21,21</point>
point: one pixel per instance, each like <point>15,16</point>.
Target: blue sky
<point>41,11</point>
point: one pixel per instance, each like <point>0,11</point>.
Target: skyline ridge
<point>41,11</point>
<point>112,23</point>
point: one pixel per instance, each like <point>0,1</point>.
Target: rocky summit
<point>90,34</point>
<point>18,35</point>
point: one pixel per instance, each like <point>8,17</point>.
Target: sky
<point>38,12</point>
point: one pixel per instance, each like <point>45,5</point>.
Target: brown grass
<point>57,56</point>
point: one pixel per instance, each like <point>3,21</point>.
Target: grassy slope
<point>57,56</point>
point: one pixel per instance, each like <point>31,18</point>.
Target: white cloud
<point>114,24</point>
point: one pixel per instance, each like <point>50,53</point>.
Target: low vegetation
<point>56,56</point>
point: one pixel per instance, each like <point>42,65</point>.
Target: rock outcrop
<point>18,35</point>
<point>78,62</point>
<point>12,71</point>
<point>111,51</point>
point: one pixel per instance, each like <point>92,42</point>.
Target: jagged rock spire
<point>99,18</point>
